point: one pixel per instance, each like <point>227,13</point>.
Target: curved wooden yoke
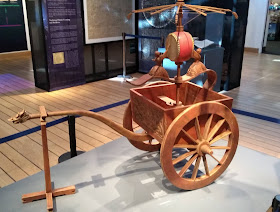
<point>197,68</point>
<point>209,83</point>
<point>212,79</point>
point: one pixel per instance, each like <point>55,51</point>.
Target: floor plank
<point>5,179</point>
<point>14,172</point>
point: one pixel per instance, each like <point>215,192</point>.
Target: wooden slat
<point>15,172</point>
<point>5,179</point>
<point>26,165</point>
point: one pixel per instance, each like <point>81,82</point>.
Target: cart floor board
<point>119,177</point>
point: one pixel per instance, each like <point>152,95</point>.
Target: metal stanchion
<point>124,76</point>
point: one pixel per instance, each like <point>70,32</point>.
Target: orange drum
<point>179,46</point>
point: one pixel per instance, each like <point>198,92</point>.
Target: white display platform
<point>119,177</point>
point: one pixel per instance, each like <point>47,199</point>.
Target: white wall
<point>256,24</point>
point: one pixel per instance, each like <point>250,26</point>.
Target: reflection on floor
<point>272,47</point>
<point>19,158</point>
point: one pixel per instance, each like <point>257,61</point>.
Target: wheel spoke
<point>188,164</point>
<point>206,165</point>
<point>216,159</point>
<point>195,170</point>
<point>220,147</point>
<point>207,127</point>
<point>182,157</point>
<point>185,146</point>
<point>215,129</point>
<point>197,128</point>
<point>221,136</point>
<point>189,136</point>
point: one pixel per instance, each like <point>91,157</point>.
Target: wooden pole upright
<point>180,27</point>
<point>178,79</point>
<point>178,82</point>
<point>49,193</point>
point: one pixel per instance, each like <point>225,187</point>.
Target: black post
<point>72,135</point>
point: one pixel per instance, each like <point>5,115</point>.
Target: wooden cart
<point>193,129</point>
<point>187,121</point>
<point>187,134</point>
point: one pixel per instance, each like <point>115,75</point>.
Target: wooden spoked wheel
<point>150,146</point>
<point>199,145</point>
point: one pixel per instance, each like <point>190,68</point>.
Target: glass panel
<point>12,28</point>
<point>99,58</point>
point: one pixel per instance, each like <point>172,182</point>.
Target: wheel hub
<point>204,148</point>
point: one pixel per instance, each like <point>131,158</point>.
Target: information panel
<point>106,20</point>
<point>64,42</point>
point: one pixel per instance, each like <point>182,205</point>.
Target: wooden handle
<point>211,80</point>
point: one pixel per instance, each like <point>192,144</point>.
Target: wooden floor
<point>22,157</point>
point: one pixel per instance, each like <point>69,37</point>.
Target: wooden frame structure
<point>49,192</point>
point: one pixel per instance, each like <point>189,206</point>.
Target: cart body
<point>155,116</point>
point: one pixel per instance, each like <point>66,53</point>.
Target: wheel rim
<point>150,146</point>
<point>197,135</point>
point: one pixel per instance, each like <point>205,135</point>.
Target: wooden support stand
<point>49,193</point>
<point>178,82</point>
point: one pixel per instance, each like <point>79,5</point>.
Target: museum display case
<point>227,34</point>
